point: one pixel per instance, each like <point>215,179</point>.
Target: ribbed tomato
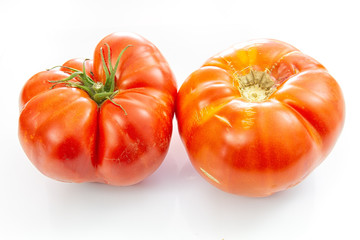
<point>104,121</point>
<point>258,117</point>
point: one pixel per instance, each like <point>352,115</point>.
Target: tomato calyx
<point>98,91</point>
<point>256,86</point>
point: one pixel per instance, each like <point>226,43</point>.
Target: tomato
<point>258,117</point>
<point>108,120</point>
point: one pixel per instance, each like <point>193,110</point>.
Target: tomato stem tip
<point>256,86</point>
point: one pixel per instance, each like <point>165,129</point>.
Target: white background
<point>175,202</point>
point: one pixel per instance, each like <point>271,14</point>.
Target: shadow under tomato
<point>213,214</point>
<point>89,206</point>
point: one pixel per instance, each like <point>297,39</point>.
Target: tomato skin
<point>48,136</point>
<point>39,83</point>
<point>133,70</point>
<point>259,148</point>
<point>69,137</point>
<point>148,124</point>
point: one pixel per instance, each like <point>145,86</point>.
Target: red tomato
<point>110,122</point>
<point>259,117</point>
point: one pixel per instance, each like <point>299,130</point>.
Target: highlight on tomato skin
<point>259,117</point>
<point>104,120</point>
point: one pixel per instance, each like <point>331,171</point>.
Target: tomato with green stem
<point>258,117</point>
<point>108,120</point>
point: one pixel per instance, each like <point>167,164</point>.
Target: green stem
<point>74,75</point>
<point>105,68</point>
<point>117,105</point>
<point>100,97</point>
<point>98,91</point>
<point>112,75</point>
